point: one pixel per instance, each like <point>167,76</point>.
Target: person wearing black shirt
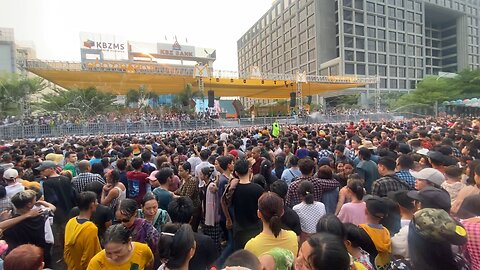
<point>30,230</point>
<point>246,223</point>
<point>58,191</point>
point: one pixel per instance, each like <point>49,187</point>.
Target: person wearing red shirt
<point>137,181</point>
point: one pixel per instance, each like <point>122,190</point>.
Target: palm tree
<point>15,90</point>
<point>184,99</point>
<point>78,102</point>
<point>133,96</point>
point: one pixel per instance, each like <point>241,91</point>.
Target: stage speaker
<point>293,99</point>
<point>211,98</point>
<point>309,100</point>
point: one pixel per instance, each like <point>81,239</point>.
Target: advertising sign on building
<point>175,49</point>
<point>112,47</point>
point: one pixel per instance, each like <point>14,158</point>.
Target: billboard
<point>175,51</point>
<point>111,47</point>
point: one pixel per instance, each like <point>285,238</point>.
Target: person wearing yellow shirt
<point>270,211</point>
<point>121,253</point>
<point>81,235</point>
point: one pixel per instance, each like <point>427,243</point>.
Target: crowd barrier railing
<point>19,131</point>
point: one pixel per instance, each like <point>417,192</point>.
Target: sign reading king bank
<point>112,47</point>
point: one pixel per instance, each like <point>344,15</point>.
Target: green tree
<point>139,97</point>
<point>183,100</point>
<point>343,100</point>
<point>436,89</point>
<point>132,97</point>
<point>14,89</point>
<point>468,83</point>
<point>81,102</point>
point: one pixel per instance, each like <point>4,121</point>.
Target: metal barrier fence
<point>16,131</point>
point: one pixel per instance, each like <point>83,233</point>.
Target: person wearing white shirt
<point>407,209</point>
<point>13,186</point>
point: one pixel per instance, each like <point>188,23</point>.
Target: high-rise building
<point>400,41</point>
<point>11,52</point>
<point>7,50</point>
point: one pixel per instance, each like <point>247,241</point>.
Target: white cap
<point>10,174</point>
<point>429,174</point>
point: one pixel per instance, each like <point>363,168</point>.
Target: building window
<point>393,60</point>
<point>382,70</point>
<point>372,58</point>
<point>372,70</point>
<point>371,32</point>
<point>382,59</point>
<point>349,55</point>
<point>370,19</point>
<point>391,12</point>
<point>359,30</point>
<point>359,4</point>
<point>370,7</point>
<point>393,84</point>
<point>360,57</point>
<point>372,45</point>
<point>360,42</point>
<point>392,36</point>
<point>381,21</point>
<point>348,42</point>
<point>392,24</point>
<point>358,17</point>
<point>347,15</point>
<point>381,46</point>
<point>381,9</point>
<point>348,28</point>
<point>349,68</point>
<point>360,69</point>
<point>381,34</point>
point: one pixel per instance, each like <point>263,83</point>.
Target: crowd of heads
<point>320,196</point>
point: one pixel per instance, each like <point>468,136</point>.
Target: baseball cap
<point>377,207</point>
<point>429,174</point>
<point>436,225</point>
<point>10,174</point>
<point>400,197</point>
<point>432,197</point>
<point>153,176</point>
<point>47,164</point>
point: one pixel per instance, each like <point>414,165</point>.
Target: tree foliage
<point>435,89</point>
<point>15,88</point>
<point>80,102</point>
<point>343,100</point>
<point>140,97</point>
<point>184,99</point>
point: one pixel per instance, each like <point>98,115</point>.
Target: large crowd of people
<point>389,195</point>
<point>55,119</point>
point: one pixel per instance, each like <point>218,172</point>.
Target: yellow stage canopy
<point>121,79</point>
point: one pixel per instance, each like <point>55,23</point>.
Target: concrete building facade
<point>400,41</point>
